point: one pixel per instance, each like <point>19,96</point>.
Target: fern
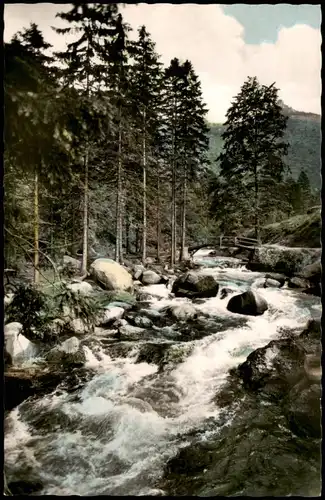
<point>84,308</point>
<point>36,310</point>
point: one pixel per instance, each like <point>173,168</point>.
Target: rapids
<point>114,435</point>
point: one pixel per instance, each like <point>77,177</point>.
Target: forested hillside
<point>304,136</point>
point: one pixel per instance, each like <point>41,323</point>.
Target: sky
<point>278,43</point>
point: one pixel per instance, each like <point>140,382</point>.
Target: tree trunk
<point>137,234</point>
<point>183,229</point>
<point>256,205</point>
<point>36,230</point>
<point>158,217</point>
<point>73,244</point>
<point>118,245</point>
<point>85,218</point>
<point>144,221</point>
<point>127,233</point>
<point>175,218</point>
<point>52,249</point>
<point>173,204</point>
<point>85,204</point>
<point>121,227</point>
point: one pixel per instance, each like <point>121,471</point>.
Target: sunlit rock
<point>150,278</point>
<point>137,271</point>
<point>8,299</point>
<point>17,346</point>
<point>109,315</point>
<point>111,275</point>
<point>78,326</point>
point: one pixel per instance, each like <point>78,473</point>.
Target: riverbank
<point>298,231</point>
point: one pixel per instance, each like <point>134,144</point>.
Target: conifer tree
<point>35,131</point>
<point>146,86</point>
<point>305,190</point>
<point>185,135</point>
<point>253,149</point>
<point>193,135</point>
<point>173,90</point>
<point>116,76</point>
<point>95,23</point>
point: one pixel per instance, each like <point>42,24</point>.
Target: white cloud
<point>214,42</point>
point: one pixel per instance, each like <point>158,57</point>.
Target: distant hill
<point>304,136</point>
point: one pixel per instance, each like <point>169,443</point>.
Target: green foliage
<point>251,161</point>
<point>99,99</point>
<point>303,133</point>
<point>297,231</point>
<point>36,310</point>
<point>30,307</point>
<point>85,308</point>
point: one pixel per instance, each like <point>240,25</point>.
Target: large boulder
<point>296,282</point>
<point>111,275</point>
<point>312,272</point>
<point>276,366</point>
<point>193,285</point>
<point>131,333</point>
<point>17,347</point>
<point>284,260</point>
<point>312,275</point>
<point>271,283</point>
<point>69,353</point>
<point>304,410</point>
<point>266,283</point>
<point>150,278</point>
<point>279,365</point>
<point>249,303</point>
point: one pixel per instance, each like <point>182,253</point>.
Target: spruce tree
<point>185,136</point>
<point>175,83</point>
<point>145,88</point>
<point>35,129</point>
<point>253,149</point>
<point>115,59</point>
<point>95,23</point>
<point>305,190</point>
<point>193,138</point>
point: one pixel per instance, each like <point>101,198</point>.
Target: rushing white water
<point>115,435</point>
